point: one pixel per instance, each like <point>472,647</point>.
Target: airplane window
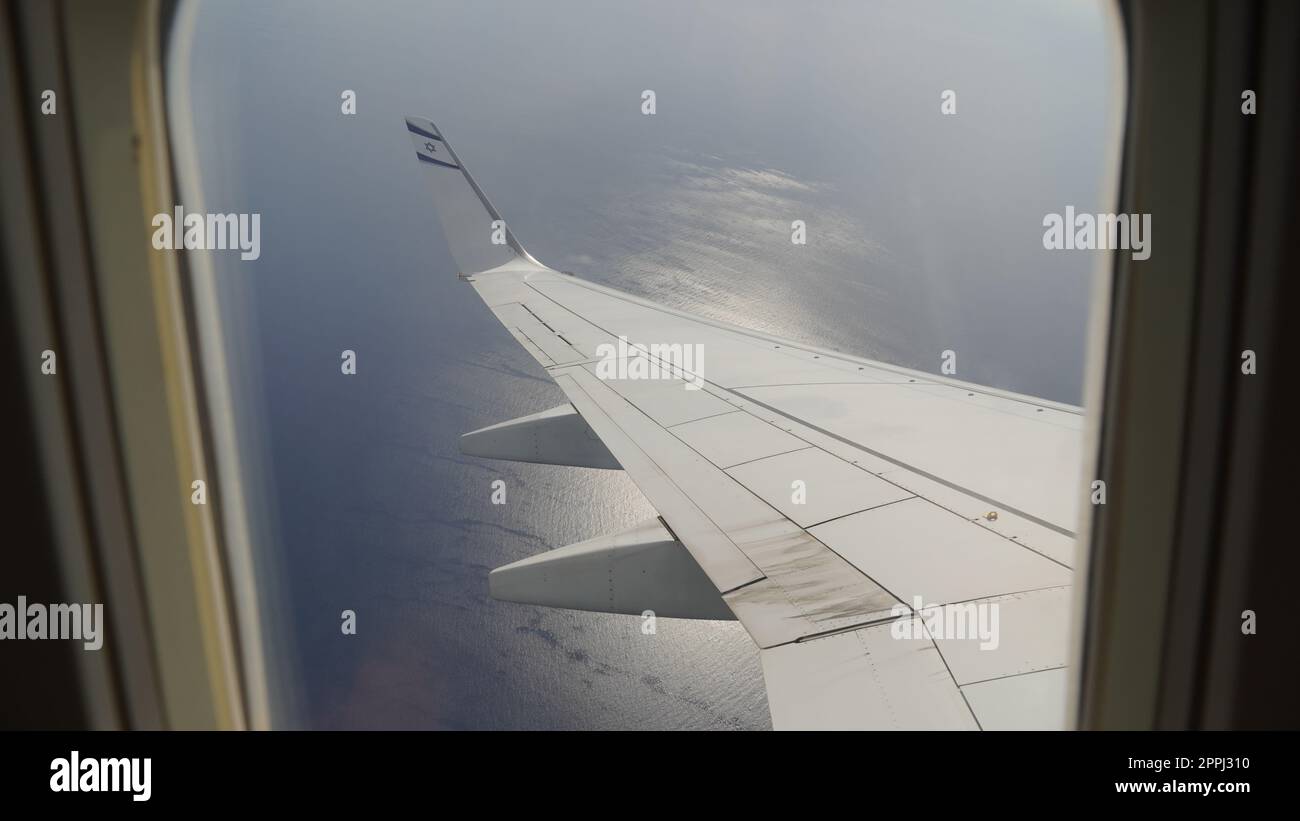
<point>864,183</point>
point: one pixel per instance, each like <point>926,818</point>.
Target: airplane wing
<point>899,545</point>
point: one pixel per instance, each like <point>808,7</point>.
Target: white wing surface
<point>898,545</point>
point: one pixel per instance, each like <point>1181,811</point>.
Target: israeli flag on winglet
<point>428,142</point>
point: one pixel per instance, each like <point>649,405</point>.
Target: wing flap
<point>864,679</point>
<point>1031,636</point>
<point>1035,701</point>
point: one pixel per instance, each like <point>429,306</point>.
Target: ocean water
<point>924,234</point>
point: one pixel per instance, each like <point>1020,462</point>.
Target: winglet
<point>476,233</point>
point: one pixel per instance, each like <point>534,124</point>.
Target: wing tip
<point>424,127</point>
<point>423,130</point>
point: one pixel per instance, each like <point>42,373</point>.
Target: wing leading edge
<point>898,545</point>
